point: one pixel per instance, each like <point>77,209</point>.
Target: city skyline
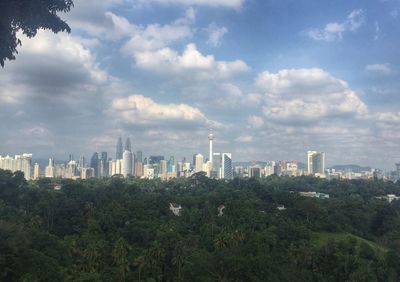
<point>165,72</point>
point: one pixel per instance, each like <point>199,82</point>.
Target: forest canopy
<point>117,229</point>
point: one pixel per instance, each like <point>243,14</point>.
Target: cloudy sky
<point>272,78</point>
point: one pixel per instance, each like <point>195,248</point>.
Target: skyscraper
<point>119,152</point>
<point>95,164</point>
<point>398,170</point>
<point>316,163</point>
<point>36,171</point>
<point>128,146</point>
<point>210,149</point>
<point>127,163</point>
<point>49,170</point>
<point>139,156</point>
<point>199,161</point>
<point>216,166</point>
<point>226,166</point>
<point>104,164</point>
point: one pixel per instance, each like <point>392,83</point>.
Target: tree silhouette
<point>28,16</point>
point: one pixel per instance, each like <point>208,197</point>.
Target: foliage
<point>28,16</point>
<point>122,230</point>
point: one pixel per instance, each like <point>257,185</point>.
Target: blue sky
<point>272,78</point>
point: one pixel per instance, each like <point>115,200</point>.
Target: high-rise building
<point>71,170</point>
<point>119,150</point>
<point>36,171</point>
<point>269,168</point>
<point>128,146</point>
<point>199,161</point>
<point>49,170</point>
<point>210,146</point>
<point>104,164</point>
<point>316,163</point>
<point>255,171</point>
<point>18,163</point>
<point>139,156</point>
<point>95,164</point>
<point>226,166</point>
<point>127,162</point>
<point>82,161</point>
<point>138,169</point>
<point>398,170</point>
<point>216,166</point>
<point>155,159</point>
<point>87,172</point>
<point>163,167</point>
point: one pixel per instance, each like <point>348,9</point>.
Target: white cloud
<point>211,3</point>
<point>334,30</point>
<point>47,52</point>
<point>215,34</point>
<point>244,139</point>
<point>307,95</point>
<point>382,69</point>
<point>255,122</point>
<point>140,109</point>
<point>191,63</point>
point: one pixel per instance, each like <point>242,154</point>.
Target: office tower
<point>127,163</point>
<point>210,148</point>
<point>198,163</point>
<point>139,156</point>
<point>155,159</point>
<point>291,168</point>
<point>128,146</point>
<point>269,168</point>
<point>316,163</point>
<point>49,170</point>
<point>95,164</point>
<point>104,164</point>
<point>36,171</point>
<point>398,170</point>
<point>87,172</point>
<point>163,169</point>
<point>226,166</point>
<point>138,169</point>
<point>82,161</point>
<point>216,166</point>
<point>310,155</point>
<point>71,169</point>
<point>119,152</point>
<point>18,163</point>
<point>148,172</point>
<point>255,171</point>
<point>59,170</point>
<point>171,165</point>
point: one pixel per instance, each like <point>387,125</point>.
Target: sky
<point>271,78</point>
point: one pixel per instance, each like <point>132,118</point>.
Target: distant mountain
<point>354,168</point>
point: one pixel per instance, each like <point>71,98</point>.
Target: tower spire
<point>210,139</point>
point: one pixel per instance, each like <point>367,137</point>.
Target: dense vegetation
<point>122,230</point>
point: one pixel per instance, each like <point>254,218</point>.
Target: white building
<point>127,163</point>
<point>18,163</point>
<point>316,163</point>
<point>49,170</point>
<point>175,208</point>
<point>199,163</point>
<point>226,166</point>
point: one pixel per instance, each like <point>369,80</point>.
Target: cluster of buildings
<point>315,166</point>
<point>128,163</point>
<point>17,163</point>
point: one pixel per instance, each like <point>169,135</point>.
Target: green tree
<point>28,16</point>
